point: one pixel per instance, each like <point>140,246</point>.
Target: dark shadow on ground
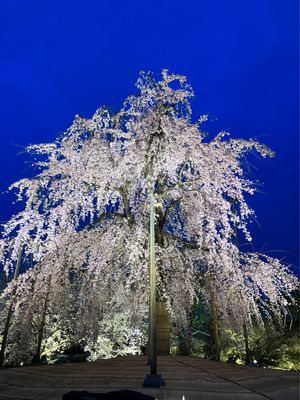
<point>118,395</point>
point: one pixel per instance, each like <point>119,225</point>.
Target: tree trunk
<point>37,357</point>
<point>10,310</point>
<point>163,329</point>
<point>214,328</point>
<point>246,339</point>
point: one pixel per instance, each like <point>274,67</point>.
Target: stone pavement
<point>191,377</point>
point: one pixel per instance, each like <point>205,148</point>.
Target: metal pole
<point>153,362</point>
<point>152,380</point>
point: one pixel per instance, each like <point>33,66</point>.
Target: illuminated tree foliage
<point>86,219</point>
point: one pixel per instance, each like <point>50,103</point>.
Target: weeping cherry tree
<point>85,227</point>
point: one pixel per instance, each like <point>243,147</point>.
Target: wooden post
<point>10,309</point>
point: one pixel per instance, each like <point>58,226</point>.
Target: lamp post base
<point>153,381</point>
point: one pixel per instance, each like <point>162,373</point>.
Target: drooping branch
<point>10,308</point>
<point>123,191</point>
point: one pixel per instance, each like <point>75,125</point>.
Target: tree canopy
<point>85,222</point>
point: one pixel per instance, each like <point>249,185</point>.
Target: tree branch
<point>123,192</point>
<point>103,217</point>
<point>186,243</point>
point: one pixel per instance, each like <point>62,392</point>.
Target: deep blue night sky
<point>60,58</point>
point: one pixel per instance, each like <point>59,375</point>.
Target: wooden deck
<point>193,378</point>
